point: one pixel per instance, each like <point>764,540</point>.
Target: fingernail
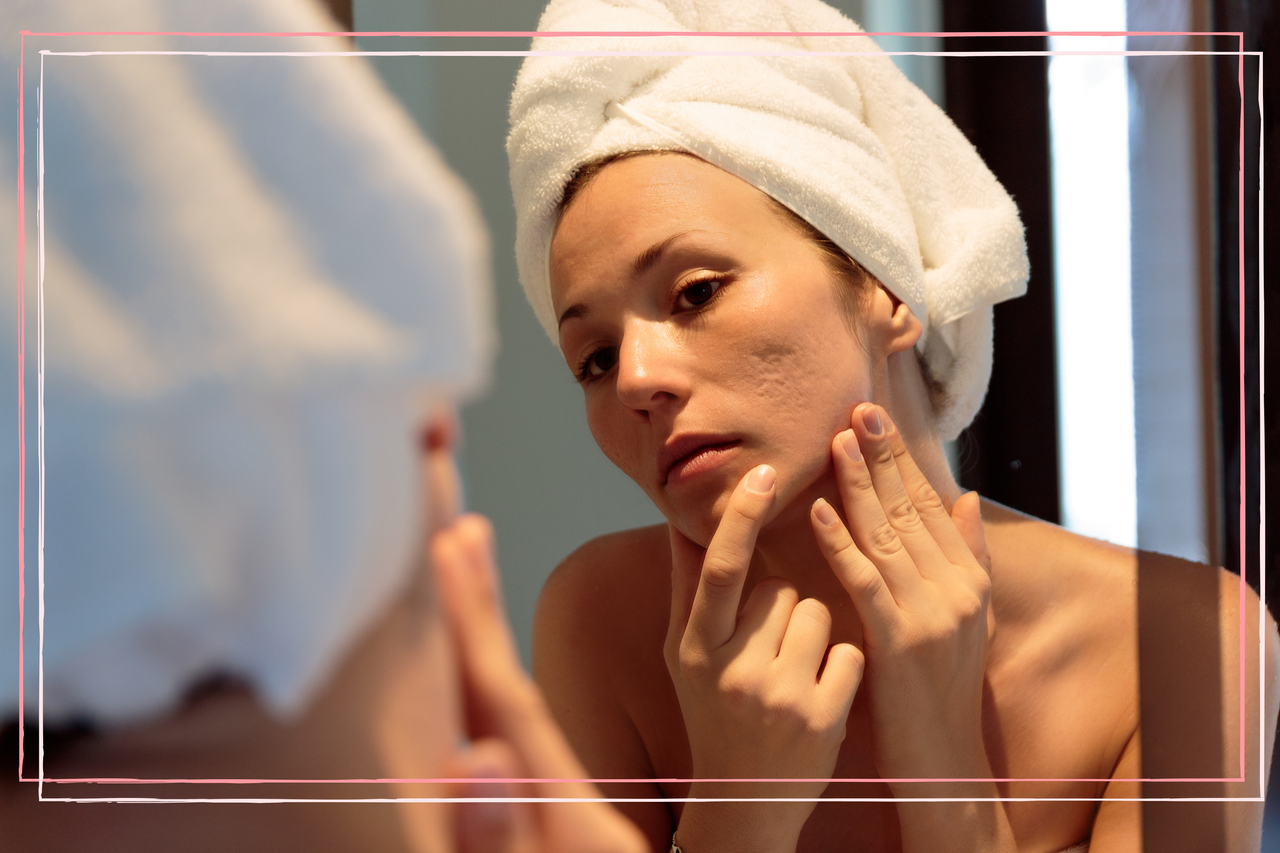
<point>826,515</point>
<point>849,441</point>
<point>871,419</point>
<point>762,479</point>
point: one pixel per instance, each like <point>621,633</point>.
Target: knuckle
<point>782,591</point>
<point>927,500</point>
<point>738,689</point>
<point>861,485</point>
<point>815,611</point>
<point>749,506</point>
<point>882,453</point>
<point>717,571</point>
<point>864,584</point>
<point>904,513</point>
<point>848,657</point>
<point>971,608</point>
<point>845,550</point>
<point>693,662</point>
<point>982,586</point>
<point>884,540</point>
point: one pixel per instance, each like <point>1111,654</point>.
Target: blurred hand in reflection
<point>498,714</point>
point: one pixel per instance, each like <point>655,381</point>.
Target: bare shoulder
<point>597,634</point>
<point>1052,588</point>
<point>1063,661</point>
<point>1162,667</point>
<point>613,587</point>
<point>1081,592</point>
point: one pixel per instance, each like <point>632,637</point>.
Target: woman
<point>773,280</point>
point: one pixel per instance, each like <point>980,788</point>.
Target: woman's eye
<point>700,292</point>
<point>598,363</point>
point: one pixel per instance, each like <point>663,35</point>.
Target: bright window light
<point>1089,123</point>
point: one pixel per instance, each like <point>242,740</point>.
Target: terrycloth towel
<point>257,275</point>
<point>847,142</point>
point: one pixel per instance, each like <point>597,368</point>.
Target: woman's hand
<point>757,700</point>
<point>512,731</point>
<point>922,596</point>
<point>460,675</point>
<point>920,580</point>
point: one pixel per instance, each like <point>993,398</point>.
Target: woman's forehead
<point>636,202</point>
<point>661,177</point>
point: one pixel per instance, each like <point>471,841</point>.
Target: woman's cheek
<point>617,442</point>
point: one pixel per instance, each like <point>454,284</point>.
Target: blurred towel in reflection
<point>257,277</point>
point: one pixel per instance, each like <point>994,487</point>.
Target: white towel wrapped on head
<point>845,141</point>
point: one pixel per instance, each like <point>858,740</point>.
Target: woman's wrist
<point>973,821</point>
<point>959,763</point>
<point>740,827</point>
<point>970,826</point>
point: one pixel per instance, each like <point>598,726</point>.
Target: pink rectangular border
<point>21,199</point>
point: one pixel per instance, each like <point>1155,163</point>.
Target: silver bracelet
<point>675,848</point>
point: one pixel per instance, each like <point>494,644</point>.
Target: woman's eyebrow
<point>646,259</point>
<point>573,312</point>
<point>641,265</point>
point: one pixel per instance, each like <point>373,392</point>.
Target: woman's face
<point>707,333</point>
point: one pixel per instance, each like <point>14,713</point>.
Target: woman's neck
<point>787,549</point>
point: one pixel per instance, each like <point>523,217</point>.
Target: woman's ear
<point>892,325</point>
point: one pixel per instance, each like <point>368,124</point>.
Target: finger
<point>804,645</point>
<point>966,515</point>
<point>927,502</point>
<point>462,556</point>
<point>874,429</point>
<point>501,698</point>
<point>487,827</point>
<point>764,620</point>
<point>507,827</point>
<point>441,495</point>
<point>484,648</point>
<point>686,568</point>
<point>840,677</point>
<point>442,487</point>
<point>868,522</point>
<point>861,578</point>
<point>714,614</point>
<point>441,431</point>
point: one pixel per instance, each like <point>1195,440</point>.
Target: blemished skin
<point>826,602</point>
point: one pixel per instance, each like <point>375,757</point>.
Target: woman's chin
<point>696,509</point>
<point>699,527</point>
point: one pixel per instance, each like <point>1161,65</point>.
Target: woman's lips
<point>701,460</point>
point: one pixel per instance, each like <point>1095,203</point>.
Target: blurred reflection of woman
<point>258,280</point>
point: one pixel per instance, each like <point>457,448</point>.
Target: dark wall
<point>1010,453</point>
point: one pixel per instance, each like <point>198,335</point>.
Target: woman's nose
<point>651,374</point>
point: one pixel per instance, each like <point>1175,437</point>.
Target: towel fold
<point>843,139</point>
